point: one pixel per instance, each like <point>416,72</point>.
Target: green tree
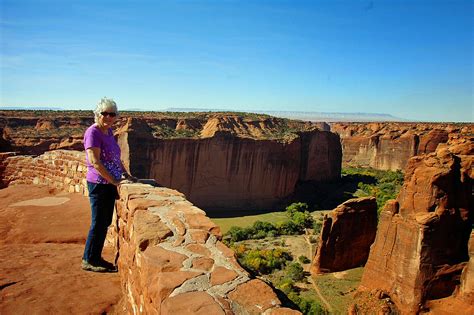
<point>295,271</point>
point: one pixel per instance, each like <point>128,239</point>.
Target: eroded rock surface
<point>421,245</point>
<point>346,236</point>
<point>389,146</point>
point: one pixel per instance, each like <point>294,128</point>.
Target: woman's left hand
<point>130,178</point>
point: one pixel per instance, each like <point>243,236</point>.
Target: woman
<point>105,172</point>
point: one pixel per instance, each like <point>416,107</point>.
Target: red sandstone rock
<point>148,229</point>
<point>346,236</point>
<point>421,242</point>
<point>203,263</point>
<point>199,236</point>
<point>158,286</point>
<point>283,311</point>
<point>198,249</point>
<point>191,303</point>
<point>466,290</point>
<point>162,260</point>
<point>222,275</point>
<point>254,296</point>
<point>201,222</point>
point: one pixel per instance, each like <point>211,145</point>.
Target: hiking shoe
<point>110,266</point>
<point>88,266</point>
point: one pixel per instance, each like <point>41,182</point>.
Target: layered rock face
<point>421,243</point>
<point>346,236</point>
<point>223,170</point>
<point>220,161</point>
<point>172,261</point>
<point>389,146</point>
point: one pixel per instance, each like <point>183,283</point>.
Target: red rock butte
<point>421,247</point>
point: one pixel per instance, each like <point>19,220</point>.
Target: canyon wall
<point>421,245</point>
<point>219,161</point>
<point>222,170</point>
<point>389,146</point>
<point>346,236</point>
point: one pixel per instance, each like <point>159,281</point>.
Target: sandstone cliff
<point>232,165</point>
<point>346,236</point>
<point>421,243</point>
<point>219,160</point>
<point>389,146</point>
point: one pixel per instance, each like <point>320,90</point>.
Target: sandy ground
<point>42,236</point>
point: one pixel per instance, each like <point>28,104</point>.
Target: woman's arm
<point>93,154</point>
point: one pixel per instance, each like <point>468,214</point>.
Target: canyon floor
<point>42,236</point>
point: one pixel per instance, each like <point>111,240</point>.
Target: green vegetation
<point>164,131</point>
<point>262,261</point>
<point>304,260</point>
<point>383,185</point>
<point>245,220</point>
<point>298,219</point>
<point>272,258</point>
<point>337,288</point>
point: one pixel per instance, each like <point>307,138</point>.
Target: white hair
<point>104,105</point>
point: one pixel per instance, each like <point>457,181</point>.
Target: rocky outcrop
<point>389,146</point>
<point>346,236</point>
<point>225,171</point>
<point>421,243</point>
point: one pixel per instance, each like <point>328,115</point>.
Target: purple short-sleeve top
<point>109,154</point>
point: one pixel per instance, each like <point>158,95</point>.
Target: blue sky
<point>411,59</point>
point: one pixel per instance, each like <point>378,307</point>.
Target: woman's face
<point>107,117</point>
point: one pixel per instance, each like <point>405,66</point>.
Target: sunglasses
<point>108,114</point>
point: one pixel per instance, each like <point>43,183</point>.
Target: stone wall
<point>172,260</point>
<point>62,169</point>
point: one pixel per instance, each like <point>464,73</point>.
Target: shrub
<point>295,271</point>
<point>263,261</point>
<point>303,259</point>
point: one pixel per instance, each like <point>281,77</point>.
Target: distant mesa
<point>29,108</point>
<point>308,115</point>
<point>299,115</point>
